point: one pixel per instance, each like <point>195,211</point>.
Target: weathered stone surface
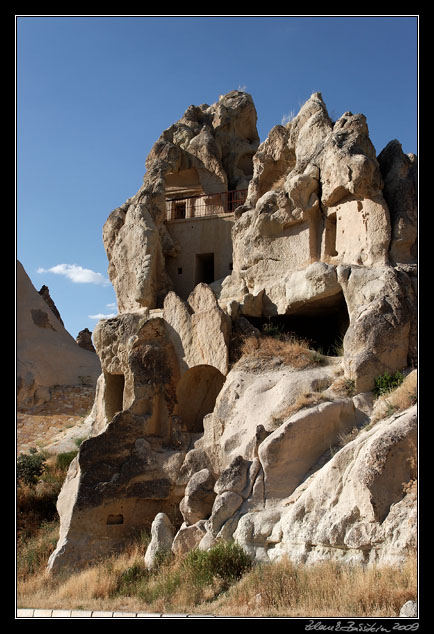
<point>47,354</point>
<point>143,421</point>
<point>199,328</point>
<point>199,497</point>
<point>211,150</point>
<point>399,172</point>
<point>380,338</point>
<point>188,537</point>
<point>119,481</point>
<point>315,201</point>
<point>44,292</point>
<point>288,453</point>
<point>162,534</point>
<point>242,449</point>
<point>122,469</point>
<point>234,477</point>
<point>225,505</point>
<point>316,282</point>
<point>409,609</point>
<point>253,397</point>
<point>359,507</point>
<point>348,162</point>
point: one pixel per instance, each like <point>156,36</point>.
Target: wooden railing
<point>204,205</point>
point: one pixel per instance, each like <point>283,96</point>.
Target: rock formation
<point>47,355</point>
<point>44,292</point>
<point>209,150</point>
<point>201,444</point>
<point>84,340</point>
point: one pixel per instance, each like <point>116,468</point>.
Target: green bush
<point>387,382</point>
<point>195,577</point>
<point>132,580</point>
<point>226,561</point>
<point>30,467</point>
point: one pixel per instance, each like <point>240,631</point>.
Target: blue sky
<point>94,94</point>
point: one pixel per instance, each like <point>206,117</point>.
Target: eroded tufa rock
<point>162,533</point>
<point>204,445</point>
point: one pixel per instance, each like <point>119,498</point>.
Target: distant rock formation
<point>47,355</point>
<point>44,292</point>
<point>323,246</point>
<point>84,340</point>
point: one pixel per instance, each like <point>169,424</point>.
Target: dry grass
<point>404,396</point>
<point>196,583</point>
<point>321,590</point>
<point>90,588</point>
<point>342,386</point>
<point>288,350</point>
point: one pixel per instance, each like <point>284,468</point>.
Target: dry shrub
<point>343,386</point>
<point>289,350</point>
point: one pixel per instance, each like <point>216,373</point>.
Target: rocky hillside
<point>47,355</point>
<point>247,411</point>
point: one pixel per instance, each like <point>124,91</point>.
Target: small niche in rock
<point>322,323</point>
<point>113,520</point>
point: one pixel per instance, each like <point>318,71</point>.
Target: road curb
<point>30,613</point>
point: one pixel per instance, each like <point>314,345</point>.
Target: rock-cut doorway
<point>196,394</point>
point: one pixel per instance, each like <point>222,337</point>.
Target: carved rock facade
<point>324,241</point>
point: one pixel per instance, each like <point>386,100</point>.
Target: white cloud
<point>112,305</point>
<point>77,274</point>
<point>102,316</point>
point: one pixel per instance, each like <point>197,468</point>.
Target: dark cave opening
<point>323,323</point>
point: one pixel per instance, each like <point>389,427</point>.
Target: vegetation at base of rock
<point>323,589</point>
<point>387,382</point>
<point>226,561</point>
<point>221,581</point>
<point>198,576</point>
